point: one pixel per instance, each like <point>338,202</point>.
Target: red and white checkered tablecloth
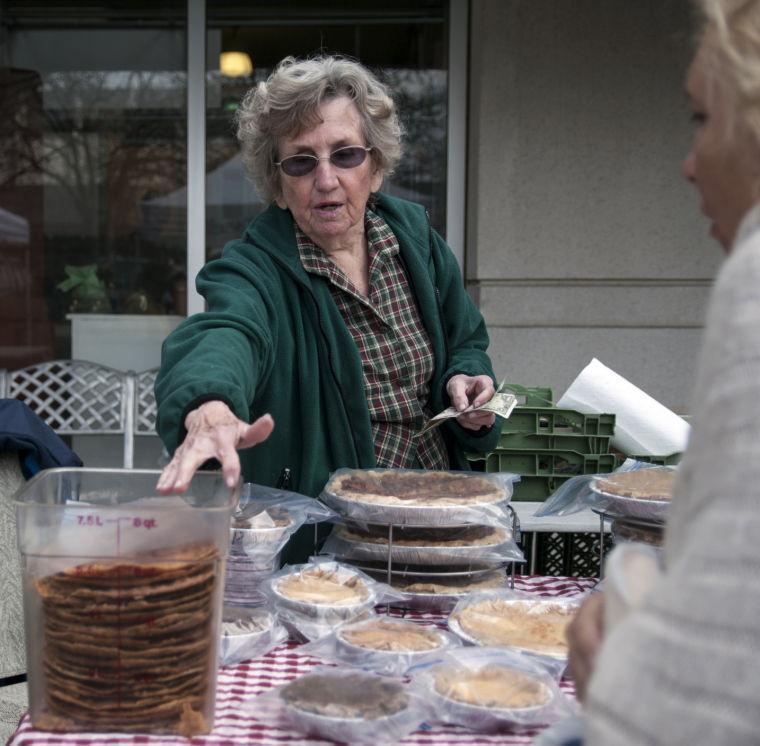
<point>238,683</point>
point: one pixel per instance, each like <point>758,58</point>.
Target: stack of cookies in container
<point>434,535</point>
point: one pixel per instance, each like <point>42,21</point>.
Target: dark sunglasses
<point>302,164</point>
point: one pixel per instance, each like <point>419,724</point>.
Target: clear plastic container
<point>122,599</point>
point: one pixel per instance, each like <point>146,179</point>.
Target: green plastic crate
<point>535,396</point>
<point>532,442</point>
<point>536,489</point>
<point>555,421</point>
<point>549,463</point>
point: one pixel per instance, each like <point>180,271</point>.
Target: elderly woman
<point>685,669</point>
<point>340,313</point>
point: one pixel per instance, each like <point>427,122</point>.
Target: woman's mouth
<point>327,208</point>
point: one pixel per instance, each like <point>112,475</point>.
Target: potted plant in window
<point>125,341</point>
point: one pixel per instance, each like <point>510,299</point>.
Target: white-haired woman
<point>685,669</point>
<point>341,313</point>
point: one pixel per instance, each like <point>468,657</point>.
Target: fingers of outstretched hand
<point>177,475</point>
<point>213,431</point>
<point>584,637</point>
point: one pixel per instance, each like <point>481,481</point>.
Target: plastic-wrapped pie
<point>382,644</point>
<point>323,588</point>
<point>349,705</point>
<point>462,545</point>
<point>492,686</point>
<point>442,592</point>
<point>487,689</point>
<point>642,493</point>
<point>391,635</point>
<point>248,633</point>
<point>534,626</point>
<point>641,484</point>
<point>426,498</point>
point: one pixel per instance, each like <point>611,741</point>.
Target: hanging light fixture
<point>234,61</point>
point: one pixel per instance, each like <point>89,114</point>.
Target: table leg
<point>533,551</point>
<point>601,546</point>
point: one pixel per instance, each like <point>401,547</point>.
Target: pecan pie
<point>416,488</point>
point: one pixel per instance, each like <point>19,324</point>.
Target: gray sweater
<point>686,668</point>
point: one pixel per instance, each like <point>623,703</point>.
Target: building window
<point>93,133</point>
<point>405,43</point>
<point>94,175</point>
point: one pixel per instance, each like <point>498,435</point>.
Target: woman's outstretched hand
<point>464,391</point>
<point>213,431</point>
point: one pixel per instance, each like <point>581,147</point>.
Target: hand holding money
<point>474,403</point>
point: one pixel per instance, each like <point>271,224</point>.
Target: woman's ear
<point>376,180</point>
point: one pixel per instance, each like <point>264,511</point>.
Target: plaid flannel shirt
<point>395,350</point>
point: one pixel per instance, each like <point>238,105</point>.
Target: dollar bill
<point>500,404</point>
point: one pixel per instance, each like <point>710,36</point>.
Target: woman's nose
<point>326,176</point>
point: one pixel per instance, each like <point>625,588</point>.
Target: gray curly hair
<point>288,102</point>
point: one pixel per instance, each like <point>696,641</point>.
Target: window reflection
<point>403,41</point>
<point>93,132</point>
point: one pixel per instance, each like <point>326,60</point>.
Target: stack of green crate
<point>547,445</point>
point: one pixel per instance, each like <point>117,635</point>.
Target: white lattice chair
<point>145,403</point>
<point>77,397</point>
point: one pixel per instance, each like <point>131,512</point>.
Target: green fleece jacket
<point>273,341</point>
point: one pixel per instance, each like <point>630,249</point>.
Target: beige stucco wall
<point>583,240</point>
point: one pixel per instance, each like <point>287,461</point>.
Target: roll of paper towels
<point>643,426</point>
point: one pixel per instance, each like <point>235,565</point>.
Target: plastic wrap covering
<point>262,524</point>
<point>461,545</point>
<point>382,644</point>
<point>638,531</point>
<point>584,491</point>
<point>248,633</point>
<point>343,705</point>
<point>441,592</point>
<point>521,622</point>
<point>409,497</point>
<point>488,689</point>
<point>312,598</point>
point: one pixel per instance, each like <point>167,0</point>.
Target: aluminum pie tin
<point>236,636</point>
<point>255,538</point>
<point>326,609</point>
<point>482,717</point>
<point>380,657</point>
<point>501,551</point>
<point>455,627</point>
<point>437,602</point>
<point>423,516</point>
<point>346,729</point>
<point>634,507</point>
